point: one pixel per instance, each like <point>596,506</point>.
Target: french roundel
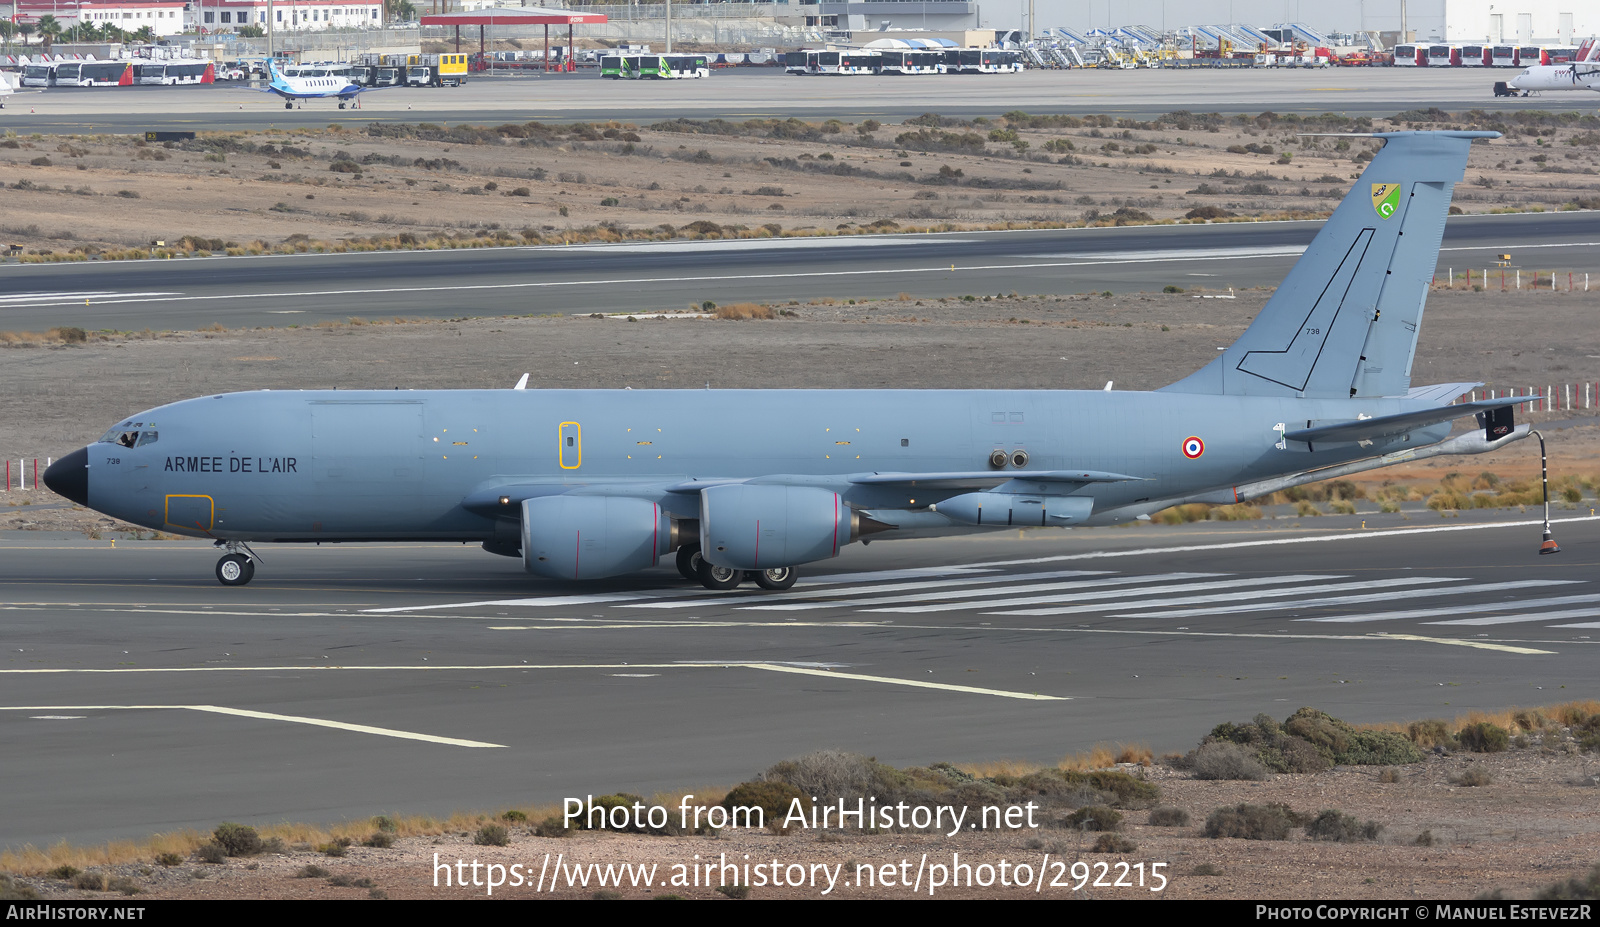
<point>1193,447</point>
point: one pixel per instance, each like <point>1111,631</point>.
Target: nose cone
<point>69,476</point>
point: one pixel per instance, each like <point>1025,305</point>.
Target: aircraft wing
<point>988,479</point>
<point>1384,426</point>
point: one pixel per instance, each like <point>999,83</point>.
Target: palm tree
<point>49,31</point>
<point>88,32</point>
<point>112,32</point>
<point>145,34</point>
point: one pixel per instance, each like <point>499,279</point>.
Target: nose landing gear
<point>236,569</point>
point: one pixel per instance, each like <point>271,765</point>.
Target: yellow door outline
<point>211,517</point>
<point>569,445</point>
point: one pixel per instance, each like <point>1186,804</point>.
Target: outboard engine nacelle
<point>1016,509</point>
<point>760,527</point>
<point>592,537</point>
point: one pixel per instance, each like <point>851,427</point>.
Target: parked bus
<point>691,67</point>
<point>619,67</point>
<point>985,61</point>
<point>1531,54</point>
<point>795,62</point>
<point>93,74</point>
<point>672,67</point>
<point>1410,56</point>
<point>38,75</point>
<point>1443,56</point>
<point>1503,56</point>
<point>1474,56</point>
<point>912,62</point>
<point>843,62</point>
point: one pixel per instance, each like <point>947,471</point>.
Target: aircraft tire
<point>776,579</point>
<point>689,562</point>
<point>719,578</point>
<point>235,570</point>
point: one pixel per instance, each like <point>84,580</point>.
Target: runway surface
<point>303,289</point>
<point>137,695</point>
<point>769,93</point>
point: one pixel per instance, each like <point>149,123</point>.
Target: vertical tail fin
<point>1344,321</point>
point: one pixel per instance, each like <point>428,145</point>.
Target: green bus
<point>619,67</point>
<point>673,67</point>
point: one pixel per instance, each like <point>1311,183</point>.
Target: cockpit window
<point>129,435</point>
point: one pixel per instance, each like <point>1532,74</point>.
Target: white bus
<point>896,61</point>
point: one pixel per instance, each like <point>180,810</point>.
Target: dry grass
<point>744,311</point>
<point>1512,719</point>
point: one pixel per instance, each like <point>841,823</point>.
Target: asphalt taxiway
<point>138,696</point>
<point>761,93</point>
<point>636,277</point>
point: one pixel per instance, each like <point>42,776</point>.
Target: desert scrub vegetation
<point>1339,827</point>
<point>1271,821</point>
<point>1308,741</point>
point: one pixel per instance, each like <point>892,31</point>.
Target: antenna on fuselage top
<point>522,383</point>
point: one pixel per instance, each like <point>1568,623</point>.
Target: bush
<point>385,823</point>
<point>169,860</point>
<point>1342,828</point>
<point>211,853</point>
<point>311,871</point>
<point>1484,737</point>
<point>1473,777</point>
<point>1253,822</point>
<point>1168,816</point>
<point>343,166</point>
<point>773,797</point>
<point>1579,889</point>
<point>380,839</point>
<point>492,835</point>
<point>1227,761</point>
<point>1093,817</point>
<point>237,839</point>
<point>12,890</point>
<point>1113,843</point>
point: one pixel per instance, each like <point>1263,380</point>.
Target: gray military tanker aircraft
<point>589,484</point>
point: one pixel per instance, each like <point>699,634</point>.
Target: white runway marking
<point>1351,535</point>
<point>1524,617</point>
<point>267,716</point>
<point>604,598</point>
<point>917,683</point>
<point>1357,599</point>
<point>768,599</point>
<point>1236,596</point>
<point>1456,609</point>
<point>1095,593</point>
<point>40,300</point>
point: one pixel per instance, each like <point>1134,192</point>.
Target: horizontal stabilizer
<point>1384,426</point>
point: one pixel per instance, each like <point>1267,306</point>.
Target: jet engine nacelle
<point>592,537</point>
<point>1021,509</point>
<point>760,527</point>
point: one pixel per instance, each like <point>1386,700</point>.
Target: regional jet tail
<point>1581,73</point>
<point>313,84</point>
<point>750,484</point>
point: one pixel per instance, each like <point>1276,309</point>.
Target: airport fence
<point>23,473</point>
<point>1511,279</point>
<point>1559,397</point>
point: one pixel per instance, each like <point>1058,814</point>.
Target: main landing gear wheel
<point>689,562</point>
<point>780,578</point>
<point>718,578</point>
<point>288,106</point>
<point>235,570</point>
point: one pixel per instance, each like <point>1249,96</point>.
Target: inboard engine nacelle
<point>762,526</point>
<point>1020,509</point>
<point>592,537</point>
